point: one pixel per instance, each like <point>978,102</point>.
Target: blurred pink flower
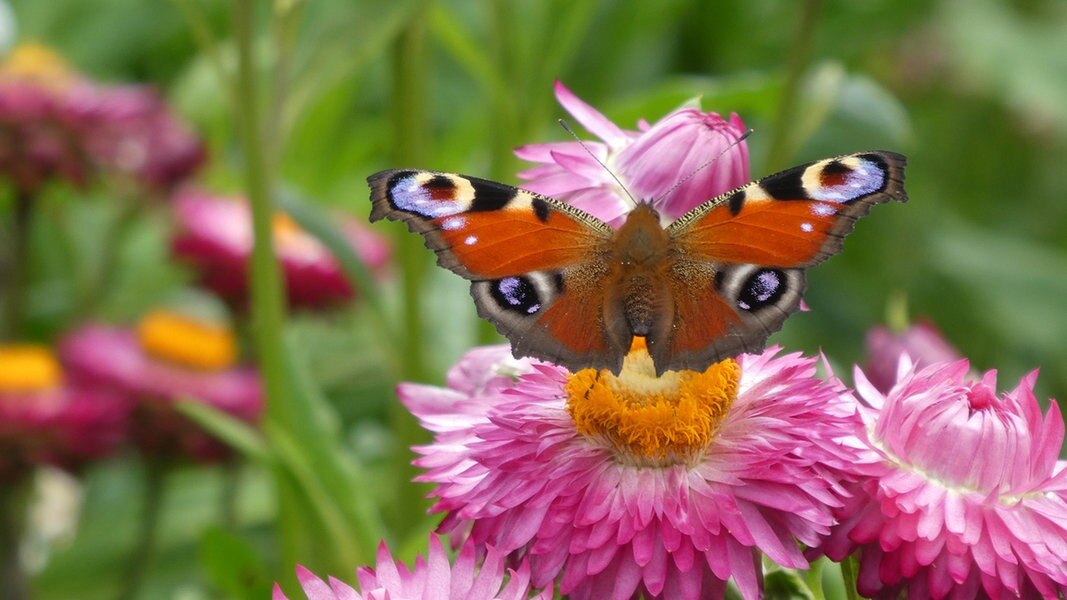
<point>649,162</point>
<point>627,485</point>
<point>158,371</point>
<point>45,420</point>
<point>430,579</point>
<point>215,236</point>
<point>55,124</point>
<point>960,494</point>
<point>922,342</point>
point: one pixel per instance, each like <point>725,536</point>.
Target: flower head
<point>689,153</point>
<point>46,420</point>
<point>635,484</point>
<point>56,124</point>
<point>215,236</point>
<point>961,495</point>
<point>433,578</point>
<point>168,358</point>
<point>922,342</point>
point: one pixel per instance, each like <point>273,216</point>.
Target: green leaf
<point>234,432</point>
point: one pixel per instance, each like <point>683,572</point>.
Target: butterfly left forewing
<point>535,264</point>
<point>748,250</point>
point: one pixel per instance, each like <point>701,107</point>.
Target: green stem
<point>268,295</point>
<point>13,584</point>
<point>409,130</point>
<point>231,488</point>
<point>850,574</point>
<point>145,546</point>
<point>17,274</point>
<point>409,127</point>
<point>783,141</point>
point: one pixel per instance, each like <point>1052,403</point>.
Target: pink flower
<point>215,236</point>
<point>700,153</point>
<point>922,342</point>
<point>433,579</point>
<point>961,495</point>
<point>664,486</point>
<point>168,359</point>
<point>46,420</point>
<point>55,124</point>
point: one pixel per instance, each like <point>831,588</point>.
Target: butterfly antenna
<point>566,127</point>
<point>739,139</point>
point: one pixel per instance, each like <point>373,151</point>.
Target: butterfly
<point>565,287</point>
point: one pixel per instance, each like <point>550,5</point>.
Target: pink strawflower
<point>45,419</point>
<point>960,495</point>
<point>650,162</point>
<point>166,360</point>
<point>215,236</point>
<point>922,342</point>
<point>56,124</point>
<point>432,579</point>
<point>633,484</point>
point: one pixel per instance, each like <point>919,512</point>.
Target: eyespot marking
<point>428,195</point>
<point>847,179</point>
<point>762,288</point>
<point>516,294</point>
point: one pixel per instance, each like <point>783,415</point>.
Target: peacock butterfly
<point>565,287</point>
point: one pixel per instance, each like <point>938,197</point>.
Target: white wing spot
<point>453,223</point>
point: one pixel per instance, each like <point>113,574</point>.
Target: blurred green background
<point>974,93</point>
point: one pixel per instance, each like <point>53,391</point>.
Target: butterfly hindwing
<point>751,247</point>
<point>533,262</point>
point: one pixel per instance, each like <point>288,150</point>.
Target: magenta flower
<point>169,358</point>
<point>55,124</point>
<point>961,494</point>
<point>616,486</point>
<point>46,420</point>
<point>700,153</point>
<point>433,579</point>
<point>922,342</point>
<point>215,236</point>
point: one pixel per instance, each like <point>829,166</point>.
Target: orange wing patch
<point>515,240</point>
<point>780,233</point>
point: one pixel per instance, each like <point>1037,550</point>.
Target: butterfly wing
<point>749,248</point>
<point>535,264</point>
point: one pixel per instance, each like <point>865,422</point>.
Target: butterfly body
<point>565,287</point>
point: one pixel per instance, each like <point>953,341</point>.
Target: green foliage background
<point>974,94</point>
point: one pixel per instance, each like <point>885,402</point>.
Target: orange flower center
<point>650,420</point>
<point>289,235</point>
<point>28,368</point>
<point>186,341</point>
<point>35,62</point>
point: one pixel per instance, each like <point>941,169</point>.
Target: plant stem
<point>409,131</point>
<point>231,487</point>
<point>13,585</point>
<point>15,286</point>
<point>783,141</point>
<point>268,296</point>
<point>145,546</point>
<point>849,574</point>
